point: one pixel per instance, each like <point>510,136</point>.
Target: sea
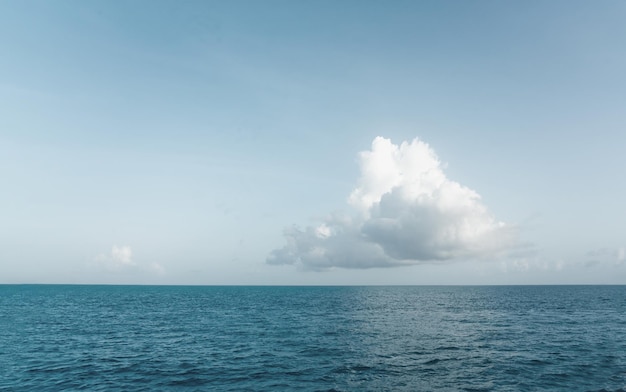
<point>268,338</point>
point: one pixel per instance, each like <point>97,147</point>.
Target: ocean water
<point>148,338</point>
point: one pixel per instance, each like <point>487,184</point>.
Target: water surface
<point>144,338</point>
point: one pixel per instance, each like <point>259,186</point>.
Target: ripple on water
<point>108,338</point>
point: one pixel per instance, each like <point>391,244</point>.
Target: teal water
<point>147,338</point>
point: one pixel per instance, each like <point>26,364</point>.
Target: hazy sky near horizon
<point>312,142</point>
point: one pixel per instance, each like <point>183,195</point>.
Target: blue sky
<point>189,142</point>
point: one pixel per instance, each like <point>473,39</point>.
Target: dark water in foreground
<point>130,338</point>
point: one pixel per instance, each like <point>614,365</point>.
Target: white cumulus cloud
<point>122,255</point>
<point>119,258</point>
<point>404,211</point>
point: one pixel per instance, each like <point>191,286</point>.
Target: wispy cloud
<point>614,256</point>
<point>403,211</point>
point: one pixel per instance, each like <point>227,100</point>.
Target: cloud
<point>530,264</point>
<point>120,260</point>
<point>615,256</point>
<point>157,269</point>
<point>403,211</point>
<point>120,257</point>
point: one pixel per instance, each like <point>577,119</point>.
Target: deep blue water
<point>139,338</point>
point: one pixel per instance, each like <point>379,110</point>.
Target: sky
<point>312,142</point>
